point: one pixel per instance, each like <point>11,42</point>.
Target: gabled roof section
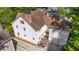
<point>36,19</point>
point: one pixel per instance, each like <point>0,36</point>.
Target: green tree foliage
<point>73,42</point>
<point>8,14</point>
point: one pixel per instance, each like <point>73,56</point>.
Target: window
<point>16,26</point>
<point>24,35</point>
<point>24,29</point>
<point>18,34</point>
<point>33,38</point>
<point>22,22</point>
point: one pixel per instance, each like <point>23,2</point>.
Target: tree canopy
<point>73,41</point>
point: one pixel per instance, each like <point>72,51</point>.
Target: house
<point>31,27</point>
<point>41,29</point>
<point>58,34</point>
<point>6,43</point>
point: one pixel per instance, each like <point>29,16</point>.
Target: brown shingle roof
<point>48,20</point>
<point>36,19</point>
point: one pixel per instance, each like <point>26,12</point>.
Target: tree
<point>73,42</point>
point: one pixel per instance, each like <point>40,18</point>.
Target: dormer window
<point>22,22</point>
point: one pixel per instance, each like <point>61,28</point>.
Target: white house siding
<point>53,34</point>
<point>41,32</point>
<point>30,32</point>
